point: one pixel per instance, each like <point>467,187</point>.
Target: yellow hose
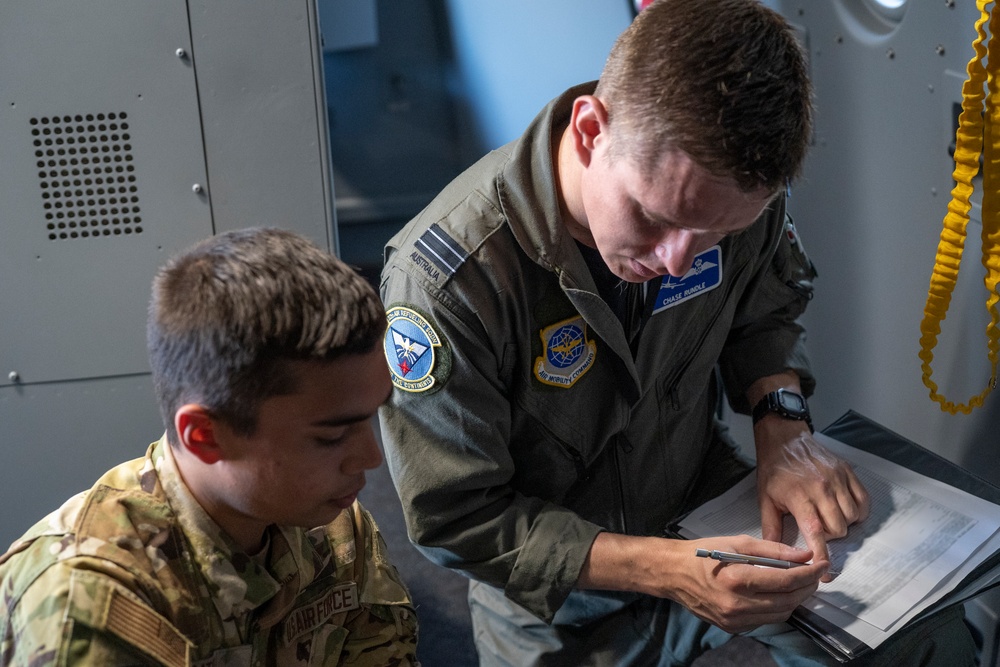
<point>978,132</point>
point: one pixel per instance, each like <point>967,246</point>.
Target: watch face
<point>792,402</point>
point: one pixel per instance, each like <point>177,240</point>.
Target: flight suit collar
<point>527,187</point>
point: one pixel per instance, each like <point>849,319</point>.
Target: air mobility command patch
<point>703,276</point>
<point>411,348</point>
<point>567,353</point>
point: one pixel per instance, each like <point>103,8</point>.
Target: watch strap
<point>772,402</point>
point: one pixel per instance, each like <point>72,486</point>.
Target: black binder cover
<point>862,433</point>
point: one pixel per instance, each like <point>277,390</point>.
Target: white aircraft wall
<point>870,207</point>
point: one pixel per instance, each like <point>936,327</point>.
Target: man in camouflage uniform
<point>238,538</point>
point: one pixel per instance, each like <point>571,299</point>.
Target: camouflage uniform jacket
<point>134,571</point>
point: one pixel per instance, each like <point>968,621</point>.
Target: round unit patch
<point>568,354</point>
<point>410,344</point>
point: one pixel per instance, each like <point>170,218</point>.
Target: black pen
<point>726,557</point>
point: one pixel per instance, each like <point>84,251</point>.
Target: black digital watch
<point>786,403</point>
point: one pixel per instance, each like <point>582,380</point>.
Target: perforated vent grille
<point>86,175</point>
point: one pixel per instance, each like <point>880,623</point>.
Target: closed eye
<point>654,220</point>
<point>331,436</point>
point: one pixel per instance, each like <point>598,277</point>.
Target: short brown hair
<point>227,314</point>
<point>724,81</point>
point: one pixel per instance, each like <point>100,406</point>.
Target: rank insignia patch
<point>703,276</point>
<point>410,348</point>
<point>567,353</point>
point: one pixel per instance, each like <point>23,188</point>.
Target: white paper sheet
<point>921,539</point>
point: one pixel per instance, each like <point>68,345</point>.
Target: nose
<point>366,454</point>
<point>677,251</point>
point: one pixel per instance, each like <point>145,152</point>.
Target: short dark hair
<point>724,81</point>
<point>229,313</point>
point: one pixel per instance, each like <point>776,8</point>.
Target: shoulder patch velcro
<point>437,252</point>
<point>108,606</point>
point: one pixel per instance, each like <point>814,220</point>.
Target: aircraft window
<point>890,9</point>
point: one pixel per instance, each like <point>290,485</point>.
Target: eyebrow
<point>349,419</point>
<point>664,221</point>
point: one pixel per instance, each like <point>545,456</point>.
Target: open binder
<point>859,432</point>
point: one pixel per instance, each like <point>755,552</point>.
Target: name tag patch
<point>704,276</point>
<point>568,354</point>
<point>311,616</point>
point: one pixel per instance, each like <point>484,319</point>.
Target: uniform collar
<point>238,583</point>
<point>527,186</point>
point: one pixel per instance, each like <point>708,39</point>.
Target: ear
<point>588,127</point>
<point>196,432</point>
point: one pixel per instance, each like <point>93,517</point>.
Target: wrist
<point>783,404</point>
<point>629,563</point>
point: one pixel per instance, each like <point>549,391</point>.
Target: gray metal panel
<point>264,112</point>
<point>75,307</point>
<point>870,209</point>
<point>58,438</point>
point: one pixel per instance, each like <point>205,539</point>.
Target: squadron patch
<point>703,276</point>
<point>410,346</point>
<point>567,353</point>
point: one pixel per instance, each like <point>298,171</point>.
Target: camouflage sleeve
<point>70,616</point>
<point>384,631</point>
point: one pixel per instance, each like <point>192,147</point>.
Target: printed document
<point>921,539</point>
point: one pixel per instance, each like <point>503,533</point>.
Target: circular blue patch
<point>409,345</point>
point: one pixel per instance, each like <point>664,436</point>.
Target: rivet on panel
<point>14,376</point>
<point>181,53</point>
<point>197,189</point>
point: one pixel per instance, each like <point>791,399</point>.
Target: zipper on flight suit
<point>620,442</point>
<point>675,378</point>
<point>582,473</point>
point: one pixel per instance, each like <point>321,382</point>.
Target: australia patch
<point>411,346</point>
<point>704,276</point>
<point>567,353</point>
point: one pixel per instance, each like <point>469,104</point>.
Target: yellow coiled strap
<point>978,132</point>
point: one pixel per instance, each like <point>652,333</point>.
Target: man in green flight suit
<point>563,317</point>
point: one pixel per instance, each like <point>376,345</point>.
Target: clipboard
<point>860,432</point>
